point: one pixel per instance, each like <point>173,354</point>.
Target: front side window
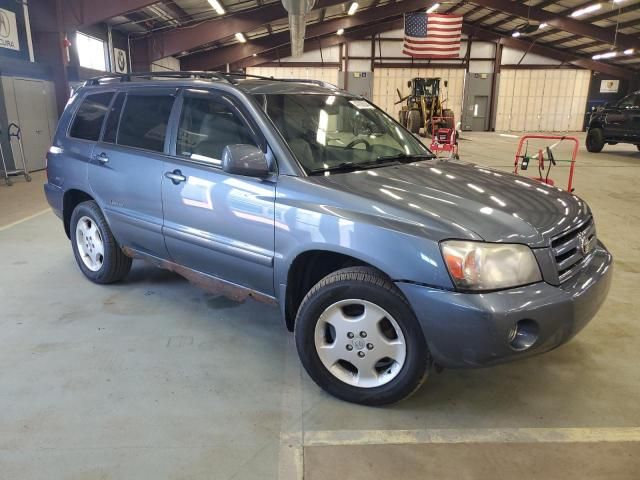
<point>335,132</point>
<point>90,116</point>
<point>144,121</point>
<point>206,127</point>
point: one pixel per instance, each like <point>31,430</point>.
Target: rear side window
<point>90,116</point>
<point>111,128</point>
<point>144,121</point>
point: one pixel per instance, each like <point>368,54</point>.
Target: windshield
<point>339,133</point>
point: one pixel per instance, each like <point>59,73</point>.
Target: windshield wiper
<point>341,167</point>
<point>403,157</point>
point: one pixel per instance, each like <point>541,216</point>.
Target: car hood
<point>497,206</point>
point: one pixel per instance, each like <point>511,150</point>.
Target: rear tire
<point>595,140</point>
<point>97,253</point>
<point>450,122</point>
<point>638,147</point>
<point>413,121</point>
<point>359,339</point>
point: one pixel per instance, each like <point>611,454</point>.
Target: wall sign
<point>9,30</point>
<point>120,60</point>
<point>13,33</point>
<point>609,86</point>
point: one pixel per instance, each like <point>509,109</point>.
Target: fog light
<point>523,335</point>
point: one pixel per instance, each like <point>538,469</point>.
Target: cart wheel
<point>456,157</point>
<point>9,182</point>
<point>27,177</point>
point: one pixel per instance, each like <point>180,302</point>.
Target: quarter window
<point>144,121</point>
<point>90,116</point>
<point>206,127</point>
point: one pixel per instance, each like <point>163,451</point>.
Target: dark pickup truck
<point>615,123</point>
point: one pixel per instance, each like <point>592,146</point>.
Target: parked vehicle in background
<point>615,123</point>
<point>383,259</point>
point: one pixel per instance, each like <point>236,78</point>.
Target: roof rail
<point>229,77</point>
<point>127,77</point>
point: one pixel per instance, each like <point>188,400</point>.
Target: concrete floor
<point>153,378</point>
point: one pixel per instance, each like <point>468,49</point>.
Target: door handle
<point>102,157</point>
<point>176,176</point>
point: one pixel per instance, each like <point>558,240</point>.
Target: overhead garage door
<point>550,100</point>
<point>387,80</point>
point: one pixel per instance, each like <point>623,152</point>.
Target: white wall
<point>326,74</point>
<point>166,64</point>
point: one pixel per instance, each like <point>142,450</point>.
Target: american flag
<point>432,35</point>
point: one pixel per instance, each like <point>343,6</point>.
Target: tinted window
<point>111,129</point>
<point>88,121</point>
<point>207,126</point>
<point>144,121</point>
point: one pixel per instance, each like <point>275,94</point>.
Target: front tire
<point>595,140</point>
<point>359,339</point>
<point>97,253</point>
<point>413,121</point>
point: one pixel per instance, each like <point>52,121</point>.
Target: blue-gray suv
<point>384,260</point>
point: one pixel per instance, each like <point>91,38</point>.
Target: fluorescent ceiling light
<point>605,55</point>
<point>433,8</point>
<point>543,25</point>
<point>618,1</point>
<point>516,34</point>
<point>352,8</point>
<point>255,54</point>
<point>240,37</point>
<point>629,51</point>
<point>585,10</point>
<point>217,6</point>
<point>340,32</point>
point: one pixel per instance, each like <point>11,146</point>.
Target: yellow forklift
<point>424,104</point>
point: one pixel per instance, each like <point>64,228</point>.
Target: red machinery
<point>444,137</point>
<point>540,157</point>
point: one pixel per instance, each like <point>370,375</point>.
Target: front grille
<point>571,249</point>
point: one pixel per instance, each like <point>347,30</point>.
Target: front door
<point>214,222</point>
<point>125,171</point>
<point>616,118</point>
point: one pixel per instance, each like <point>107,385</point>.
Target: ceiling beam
<point>470,29</point>
<point>324,42</point>
<point>175,41</point>
<point>567,24</point>
<point>538,49</point>
<point>221,56</point>
<point>81,13</point>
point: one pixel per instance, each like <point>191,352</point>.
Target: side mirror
<point>247,160</point>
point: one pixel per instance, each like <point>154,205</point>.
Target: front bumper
<point>471,330</point>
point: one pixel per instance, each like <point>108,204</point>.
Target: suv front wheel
<point>595,140</point>
<point>96,250</point>
<point>359,339</point>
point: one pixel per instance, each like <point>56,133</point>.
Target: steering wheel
<point>356,141</point>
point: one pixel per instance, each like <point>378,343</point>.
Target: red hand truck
<point>545,154</point>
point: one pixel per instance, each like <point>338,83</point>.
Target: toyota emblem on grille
<point>585,243</point>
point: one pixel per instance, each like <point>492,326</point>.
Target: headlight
<point>489,266</point>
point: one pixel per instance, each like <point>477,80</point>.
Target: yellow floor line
<point>477,435</point>
<point>18,222</point>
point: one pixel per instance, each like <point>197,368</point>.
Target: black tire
<point>115,264</point>
<point>372,286</point>
<point>413,121</point>
<point>449,122</point>
<point>595,140</point>
<point>638,147</point>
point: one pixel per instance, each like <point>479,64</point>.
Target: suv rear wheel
<point>358,338</point>
<point>96,250</point>
<point>595,140</point>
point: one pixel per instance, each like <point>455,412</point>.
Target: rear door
<point>126,167</point>
<point>632,127</point>
<point>214,222</point>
